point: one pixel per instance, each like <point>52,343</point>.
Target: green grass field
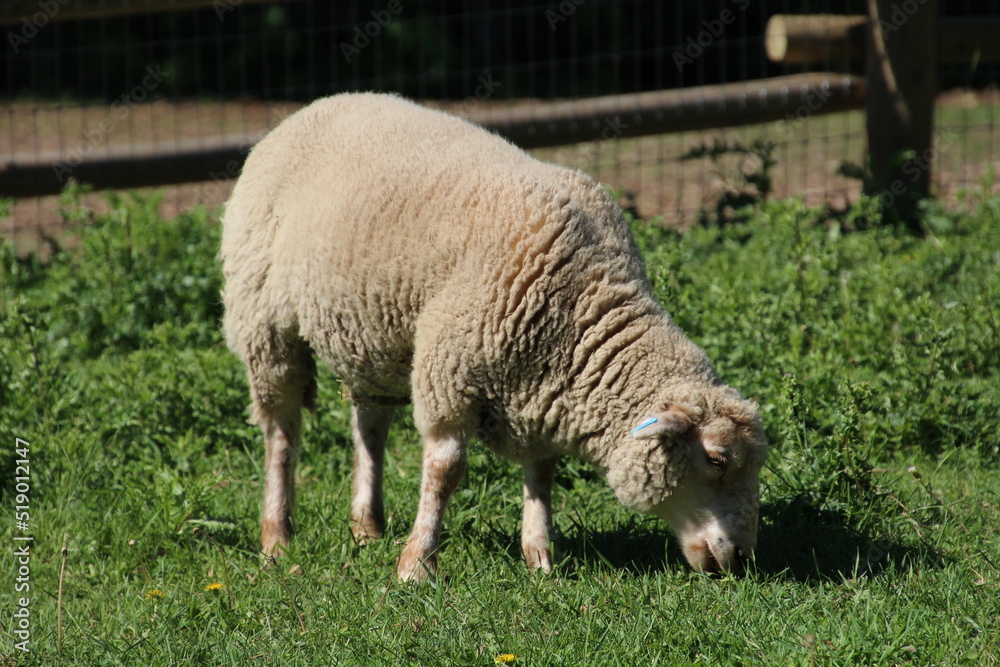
<point>875,357</point>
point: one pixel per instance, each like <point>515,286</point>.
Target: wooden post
<point>902,83</point>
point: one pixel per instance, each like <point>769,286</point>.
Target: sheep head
<point>698,468</point>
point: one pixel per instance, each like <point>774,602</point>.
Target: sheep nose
<point>717,555</point>
<point>727,557</point>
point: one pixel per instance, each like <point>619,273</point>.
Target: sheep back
<point>365,223</point>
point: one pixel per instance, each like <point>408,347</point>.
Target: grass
<point>874,356</point>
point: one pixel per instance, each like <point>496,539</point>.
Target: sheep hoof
<point>274,538</point>
<point>416,570</point>
<point>539,560</point>
<point>365,532</point>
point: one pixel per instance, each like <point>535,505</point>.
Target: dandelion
<point>155,594</point>
<point>214,586</point>
<point>505,657</point>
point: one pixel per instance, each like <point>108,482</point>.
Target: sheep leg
<point>369,428</point>
<point>281,453</point>
<point>536,542</point>
<point>282,381</point>
<point>444,465</point>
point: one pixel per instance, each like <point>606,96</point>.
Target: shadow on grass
<point>800,539</point>
<point>638,546</point>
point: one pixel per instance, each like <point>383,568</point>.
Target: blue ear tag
<point>648,422</point>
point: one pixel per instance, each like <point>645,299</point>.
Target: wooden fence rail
<point>529,126</point>
<point>14,11</point>
<point>899,51</point>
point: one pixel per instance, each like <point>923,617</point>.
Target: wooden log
<point>842,40</point>
<point>529,126</point>
<point>902,86</point>
<point>820,38</point>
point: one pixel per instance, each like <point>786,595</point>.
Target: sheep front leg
<point>536,542</point>
<point>281,453</point>
<point>369,428</point>
<point>444,465</point>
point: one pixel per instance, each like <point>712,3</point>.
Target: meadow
<point>874,355</point>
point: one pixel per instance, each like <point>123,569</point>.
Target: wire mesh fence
<point>89,79</point>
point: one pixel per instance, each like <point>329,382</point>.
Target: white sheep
<point>420,256</point>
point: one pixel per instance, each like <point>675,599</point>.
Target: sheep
<point>427,260</point>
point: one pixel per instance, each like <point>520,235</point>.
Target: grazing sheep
<point>420,256</point>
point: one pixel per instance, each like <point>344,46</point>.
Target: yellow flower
<point>505,657</point>
<point>214,586</point>
<point>155,594</point>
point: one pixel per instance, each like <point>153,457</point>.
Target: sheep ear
<point>641,473</point>
<point>678,418</point>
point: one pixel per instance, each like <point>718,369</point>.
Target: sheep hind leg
<point>444,466</point>
<point>282,381</point>
<point>369,428</point>
<point>281,453</point>
<point>536,529</point>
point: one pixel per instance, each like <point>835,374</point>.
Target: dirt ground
<point>654,179</point>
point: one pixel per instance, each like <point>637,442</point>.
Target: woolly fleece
<point>418,255</point>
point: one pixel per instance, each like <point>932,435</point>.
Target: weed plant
<point>874,356</point>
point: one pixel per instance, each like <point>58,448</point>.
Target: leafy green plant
<point>131,273</point>
<point>873,354</point>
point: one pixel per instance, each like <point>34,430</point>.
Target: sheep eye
<point>717,461</point>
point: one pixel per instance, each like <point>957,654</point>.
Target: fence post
<point>902,84</point>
